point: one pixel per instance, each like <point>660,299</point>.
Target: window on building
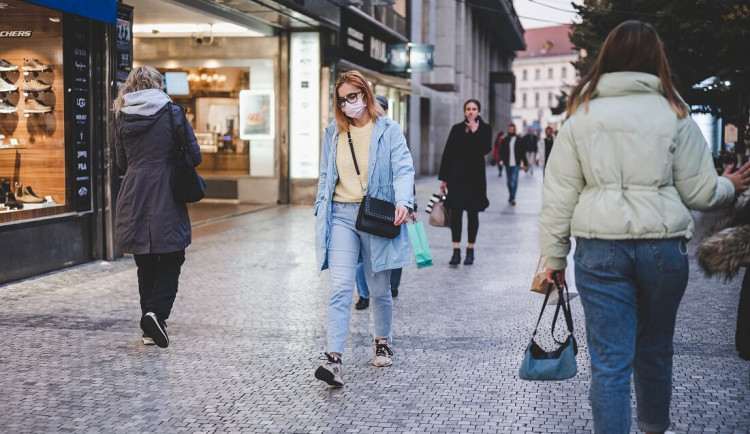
<point>523,100</point>
<point>537,74</point>
<point>550,99</point>
<point>564,72</point>
<point>525,75</point>
<point>550,73</point>
<point>536,99</point>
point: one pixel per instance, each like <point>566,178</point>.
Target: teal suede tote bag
<point>560,364</point>
<point>419,246</point>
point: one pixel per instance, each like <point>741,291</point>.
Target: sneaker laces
<point>382,349</point>
<point>331,358</point>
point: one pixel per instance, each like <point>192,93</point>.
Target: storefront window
<point>33,175</point>
<point>231,110</point>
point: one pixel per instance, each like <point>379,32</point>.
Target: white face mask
<point>354,110</point>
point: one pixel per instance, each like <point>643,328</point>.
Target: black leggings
<point>158,274</point>
<point>457,223</point>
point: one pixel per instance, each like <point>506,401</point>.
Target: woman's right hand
<point>443,186</point>
<point>740,179</point>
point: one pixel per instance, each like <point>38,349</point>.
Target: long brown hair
<point>140,78</point>
<point>355,78</point>
<point>631,46</point>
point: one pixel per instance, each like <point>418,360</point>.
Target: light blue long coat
<point>390,176</point>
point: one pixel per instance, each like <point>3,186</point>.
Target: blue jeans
<point>512,172</point>
<point>630,291</point>
<point>344,249</point>
<point>362,289</point>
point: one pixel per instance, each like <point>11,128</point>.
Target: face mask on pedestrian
<point>354,110</point>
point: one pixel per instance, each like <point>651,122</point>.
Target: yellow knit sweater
<point>348,188</point>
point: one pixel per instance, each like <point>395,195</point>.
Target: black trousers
<point>457,223</point>
<point>742,336</point>
<point>157,281</point>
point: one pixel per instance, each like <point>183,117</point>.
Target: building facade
<point>475,43</point>
<point>543,71</point>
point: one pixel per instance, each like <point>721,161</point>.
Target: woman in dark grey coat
<point>148,222</point>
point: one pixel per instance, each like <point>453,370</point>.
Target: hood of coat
<point>140,107</point>
<point>627,83</point>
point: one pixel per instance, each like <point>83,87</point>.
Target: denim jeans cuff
<point>653,427</point>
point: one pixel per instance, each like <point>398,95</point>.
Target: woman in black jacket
<point>463,174</point>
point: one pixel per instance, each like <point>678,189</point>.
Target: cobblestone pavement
<point>249,325</point>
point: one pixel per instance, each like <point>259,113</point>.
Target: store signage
<point>410,58</point>
<point>78,71</point>
<point>102,10</point>
<point>377,49</point>
<point>355,39</point>
<point>15,34</point>
<point>304,105</point>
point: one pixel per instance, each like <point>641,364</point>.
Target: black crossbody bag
<point>375,216</point>
<point>188,185</point>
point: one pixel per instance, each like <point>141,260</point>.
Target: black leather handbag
<point>376,216</point>
<point>188,186</point>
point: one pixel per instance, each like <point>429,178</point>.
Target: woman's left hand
<point>402,215</point>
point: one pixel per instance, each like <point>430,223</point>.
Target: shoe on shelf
<point>7,66</point>
<point>36,106</point>
<point>34,65</point>
<point>394,291</point>
<point>331,371</point>
<point>11,202</point>
<point>456,258</point>
<point>7,87</point>
<point>22,196</point>
<point>155,328</point>
<point>469,256</point>
<point>35,86</point>
<point>362,303</point>
<point>6,107</point>
<point>31,192</point>
<point>146,339</point>
<point>383,353</point>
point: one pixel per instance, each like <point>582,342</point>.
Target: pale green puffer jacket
<point>626,169</point>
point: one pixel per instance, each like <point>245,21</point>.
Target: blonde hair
<point>355,78</point>
<point>631,46</point>
<point>140,78</point>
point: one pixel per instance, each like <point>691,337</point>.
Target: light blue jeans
<point>362,288</point>
<point>344,248</point>
<point>630,291</point>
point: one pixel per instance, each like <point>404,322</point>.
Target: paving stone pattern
<point>250,323</point>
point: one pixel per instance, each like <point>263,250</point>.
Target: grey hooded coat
<point>147,219</point>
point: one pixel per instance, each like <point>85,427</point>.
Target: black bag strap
<point>356,166</point>
<point>563,304</point>
<point>179,144</point>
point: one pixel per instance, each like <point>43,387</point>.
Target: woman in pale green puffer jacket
<point>626,167</point>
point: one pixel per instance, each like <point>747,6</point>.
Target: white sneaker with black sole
<point>156,329</point>
<point>331,371</point>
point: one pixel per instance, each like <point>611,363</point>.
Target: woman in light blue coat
<point>372,160</point>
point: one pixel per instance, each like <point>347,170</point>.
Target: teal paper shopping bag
<point>419,245</point>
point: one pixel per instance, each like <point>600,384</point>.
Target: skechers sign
<point>15,33</point>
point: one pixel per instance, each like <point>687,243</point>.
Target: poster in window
<point>256,115</point>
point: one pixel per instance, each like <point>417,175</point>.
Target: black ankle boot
<point>456,259</point>
<point>469,256</point>
<point>362,303</point>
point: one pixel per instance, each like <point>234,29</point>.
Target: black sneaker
<point>331,371</point>
<point>394,291</point>
<point>155,328</point>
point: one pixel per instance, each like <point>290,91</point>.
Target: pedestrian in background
<point>148,222</point>
<point>362,289</point>
<point>531,147</point>
<point>513,157</point>
<point>496,152</point>
<point>629,164</point>
<point>545,145</point>
<point>360,137</point>
<point>463,174</point>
